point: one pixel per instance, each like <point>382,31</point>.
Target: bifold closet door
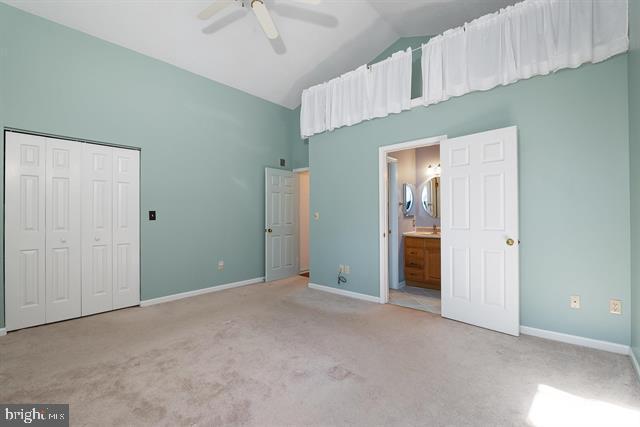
<point>25,233</point>
<point>126,228</point>
<point>63,227</point>
<point>97,229</point>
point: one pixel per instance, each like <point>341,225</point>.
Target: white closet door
<point>97,229</point>
<point>24,230</point>
<point>126,228</point>
<point>63,245</point>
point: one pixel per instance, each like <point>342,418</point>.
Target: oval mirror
<point>431,196</point>
<point>407,203</point>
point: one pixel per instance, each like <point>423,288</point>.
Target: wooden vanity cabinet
<point>422,262</point>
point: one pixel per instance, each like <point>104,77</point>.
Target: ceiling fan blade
<point>214,8</point>
<point>264,18</point>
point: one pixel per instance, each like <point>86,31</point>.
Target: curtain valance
<point>362,94</point>
<point>534,37</point>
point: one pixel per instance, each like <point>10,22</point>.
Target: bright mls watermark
<point>38,414</point>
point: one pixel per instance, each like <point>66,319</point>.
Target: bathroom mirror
<point>431,196</point>
<point>407,201</point>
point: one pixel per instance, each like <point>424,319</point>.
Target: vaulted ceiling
<point>316,43</point>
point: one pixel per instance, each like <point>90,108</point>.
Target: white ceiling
<point>317,42</point>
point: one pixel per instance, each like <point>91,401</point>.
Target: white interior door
<point>480,264</point>
<point>25,234</point>
<point>281,224</point>
<point>126,228</point>
<point>63,244</point>
<point>97,229</point>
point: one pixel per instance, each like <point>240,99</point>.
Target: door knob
<point>268,230</point>
<point>97,239</point>
<point>63,240</point>
<point>510,242</point>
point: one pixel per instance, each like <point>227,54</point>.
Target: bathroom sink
<point>423,234</point>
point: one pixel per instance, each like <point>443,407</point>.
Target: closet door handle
<point>63,240</point>
<point>97,239</point>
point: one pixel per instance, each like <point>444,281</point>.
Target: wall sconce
<point>433,170</point>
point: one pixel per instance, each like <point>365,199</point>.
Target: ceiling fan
<point>257,6</point>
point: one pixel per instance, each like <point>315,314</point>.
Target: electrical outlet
<point>221,265</point>
<point>575,301</point>
<point>347,269</point>
<point>615,306</point>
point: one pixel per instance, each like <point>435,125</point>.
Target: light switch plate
<point>221,265</point>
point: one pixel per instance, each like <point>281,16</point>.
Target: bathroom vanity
<point>422,259</point>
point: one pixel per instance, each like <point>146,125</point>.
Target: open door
<point>480,255</point>
<point>281,224</point>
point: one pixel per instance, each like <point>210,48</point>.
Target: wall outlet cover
<point>615,306</point>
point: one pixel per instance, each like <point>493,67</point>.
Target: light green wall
<point>416,73</point>
<point>204,145</point>
<point>574,192</point>
<point>634,145</point>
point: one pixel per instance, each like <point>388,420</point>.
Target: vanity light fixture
<point>433,170</point>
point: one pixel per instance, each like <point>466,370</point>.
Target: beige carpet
<point>282,354</point>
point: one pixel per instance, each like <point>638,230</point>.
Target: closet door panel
<point>97,229</point>
<point>63,245</point>
<point>25,232</point>
<point>126,228</point>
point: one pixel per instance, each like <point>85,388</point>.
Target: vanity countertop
<point>422,234</point>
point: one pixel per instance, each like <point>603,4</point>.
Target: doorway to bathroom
<point>466,244</point>
<point>413,215</point>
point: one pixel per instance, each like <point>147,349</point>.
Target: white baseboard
<point>634,361</point>
<point>188,294</point>
<point>344,293</point>
<point>577,340</point>
<point>3,332</point>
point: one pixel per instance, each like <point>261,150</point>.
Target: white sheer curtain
<point>361,94</point>
<point>531,38</point>
<point>390,85</point>
<point>314,109</point>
